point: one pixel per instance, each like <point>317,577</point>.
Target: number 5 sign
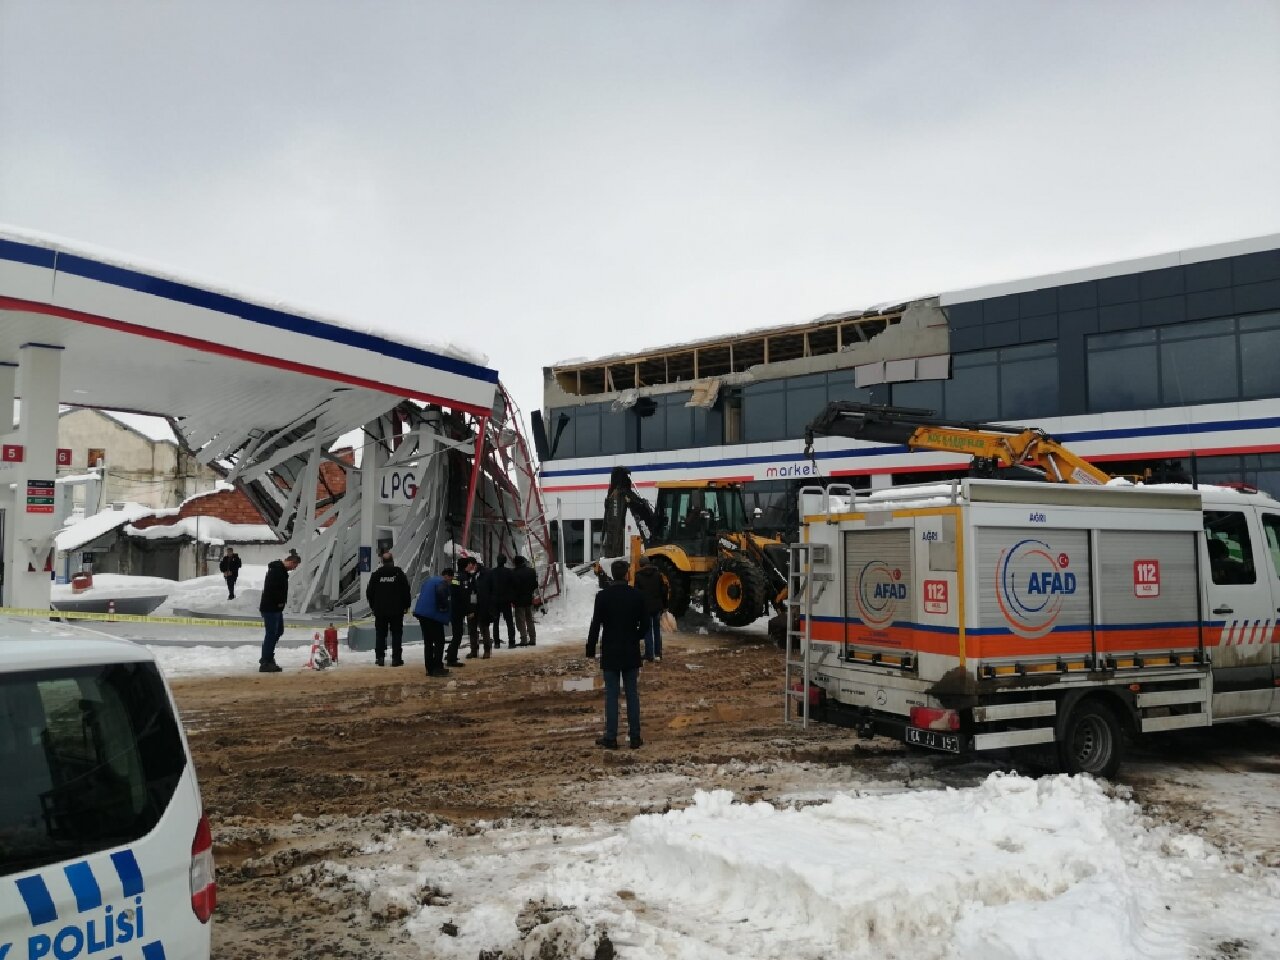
<point>1146,578</point>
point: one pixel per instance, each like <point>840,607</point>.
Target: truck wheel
<point>677,586</point>
<point>1091,741</point>
<point>736,590</point>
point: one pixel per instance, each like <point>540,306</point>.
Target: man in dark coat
<point>275,593</point>
<point>389,598</point>
<point>620,616</point>
<point>503,592</point>
<point>651,583</point>
<point>229,567</point>
<point>483,602</point>
<point>524,586</point>
<point>459,608</point>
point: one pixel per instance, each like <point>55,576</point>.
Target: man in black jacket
<point>503,591</point>
<point>653,586</point>
<point>524,585</point>
<point>620,616</point>
<point>275,593</point>
<point>229,567</point>
<point>389,598</point>
<point>459,609</point>
<point>483,602</point>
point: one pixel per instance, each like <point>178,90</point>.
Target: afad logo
<point>1031,585</point>
<point>880,587</point>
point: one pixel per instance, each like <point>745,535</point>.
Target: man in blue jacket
<point>432,611</point>
<point>621,617</point>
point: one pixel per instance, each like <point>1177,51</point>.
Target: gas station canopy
<point>136,339</point>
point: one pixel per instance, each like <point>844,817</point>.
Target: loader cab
<point>694,513</point>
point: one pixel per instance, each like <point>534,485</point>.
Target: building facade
<point>1129,364</point>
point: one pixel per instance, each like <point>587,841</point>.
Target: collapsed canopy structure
<point>261,392</point>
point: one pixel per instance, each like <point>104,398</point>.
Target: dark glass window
<point>652,430</point>
<point>840,387</point>
<point>764,412</point>
<point>921,394</point>
<point>1028,381</point>
<point>575,533</point>
<point>806,398</point>
<point>613,431</point>
<point>679,422</point>
<point>1230,550</point>
<point>566,445</point>
<point>91,758</point>
<point>586,425</point>
<point>971,393</point>
<point>1260,355</point>
<point>1198,362</point>
<point>1123,371</point>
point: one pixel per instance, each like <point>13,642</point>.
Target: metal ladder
<point>799,633</point>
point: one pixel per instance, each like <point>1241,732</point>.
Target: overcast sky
<point>543,180</point>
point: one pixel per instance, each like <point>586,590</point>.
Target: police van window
<point>91,758</point>
<point>1229,547</point>
<point>1271,526</point>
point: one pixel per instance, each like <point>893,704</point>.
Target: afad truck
<point>991,614</point>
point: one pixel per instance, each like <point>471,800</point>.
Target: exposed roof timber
<point>722,356</point>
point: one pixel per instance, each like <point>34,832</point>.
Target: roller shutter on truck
<point>879,586</point>
<point>1149,593</point>
<point>1034,594</point>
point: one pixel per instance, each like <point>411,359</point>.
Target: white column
<point>371,465</point>
<point>30,525</point>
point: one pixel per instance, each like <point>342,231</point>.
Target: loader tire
<point>736,591</point>
<point>677,586</point>
<point>1091,741</point>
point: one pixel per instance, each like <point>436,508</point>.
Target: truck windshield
<point>91,758</point>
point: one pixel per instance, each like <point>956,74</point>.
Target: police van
<point>105,851</point>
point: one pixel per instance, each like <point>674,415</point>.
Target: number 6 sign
<point>1146,578</point>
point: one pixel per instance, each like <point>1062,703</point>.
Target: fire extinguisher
<point>331,642</point>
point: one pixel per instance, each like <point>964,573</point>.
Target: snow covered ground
<point>1009,868</point>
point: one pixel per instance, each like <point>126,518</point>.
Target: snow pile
<point>77,534</point>
<point>240,656</point>
<point>209,594</point>
<point>1012,868</point>
<point>568,616</point>
<point>213,530</point>
<point>115,586</point>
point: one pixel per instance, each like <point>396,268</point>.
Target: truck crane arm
<point>991,445</point>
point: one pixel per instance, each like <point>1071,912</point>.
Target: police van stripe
<point>153,950</point>
<point>36,896</point>
<point>83,885</point>
<point>127,869</point>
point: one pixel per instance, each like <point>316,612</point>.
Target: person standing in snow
<point>275,593</point>
<point>502,595</point>
<point>486,608</point>
<point>229,566</point>
<point>389,598</point>
<point>524,584</point>
<point>618,623</point>
<point>459,608</point>
<point>432,611</point>
<point>653,586</point>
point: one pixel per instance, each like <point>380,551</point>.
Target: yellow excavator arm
<point>991,445</point>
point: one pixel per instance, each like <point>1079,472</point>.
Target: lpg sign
<point>1032,583</point>
<point>398,485</point>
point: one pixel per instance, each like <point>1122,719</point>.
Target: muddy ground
<point>297,768</point>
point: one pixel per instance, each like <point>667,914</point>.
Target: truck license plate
<point>948,742</point>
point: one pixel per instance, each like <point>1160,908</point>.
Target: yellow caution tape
<point>142,618</point>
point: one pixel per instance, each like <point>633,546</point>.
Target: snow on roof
<point>91,528</point>
<point>153,428</point>
<point>208,530</point>
<point>77,248</point>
